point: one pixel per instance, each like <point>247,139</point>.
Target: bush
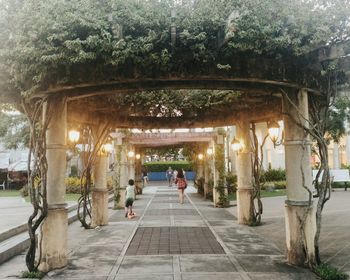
<point>328,272</point>
<point>231,183</point>
<point>274,175</point>
<point>72,185</point>
<point>73,171</point>
<point>162,166</point>
<point>32,274</point>
<point>24,191</point>
<point>275,185</point>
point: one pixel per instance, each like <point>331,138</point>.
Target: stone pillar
<point>299,176</point>
<point>232,153</point>
<point>347,143</point>
<point>124,176</point>
<point>138,175</point>
<point>200,173</point>
<point>55,227</point>
<point>336,158</point>
<point>206,176</point>
<point>244,174</point>
<point>100,192</point>
<point>131,165</point>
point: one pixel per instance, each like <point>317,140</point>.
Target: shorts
<point>129,202</point>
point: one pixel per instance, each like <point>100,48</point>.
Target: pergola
<point>260,83</point>
<point>269,89</point>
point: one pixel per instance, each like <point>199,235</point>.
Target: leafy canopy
<point>48,43</point>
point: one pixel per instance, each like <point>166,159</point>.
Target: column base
<point>300,249</point>
<point>244,206</point>
<point>54,232</point>
<point>99,208</point>
<point>138,185</point>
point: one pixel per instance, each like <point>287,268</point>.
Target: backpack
<point>181,183</point>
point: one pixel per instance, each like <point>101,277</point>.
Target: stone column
<point>244,173</point>
<point>206,176</point>
<point>131,165</point>
<point>124,176</point>
<point>200,173</point>
<point>336,158</point>
<point>232,153</point>
<point>138,175</point>
<point>347,143</point>
<point>299,176</point>
<point>100,192</point>
<point>55,227</point>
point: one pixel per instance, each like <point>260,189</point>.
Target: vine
<point>220,167</point>
<point>38,120</point>
<point>93,139</point>
<point>258,179</point>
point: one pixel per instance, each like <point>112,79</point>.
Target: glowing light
<point>131,154</point>
<point>137,156</point>
<point>200,156</point>
<point>210,151</point>
<point>107,148</point>
<point>274,131</point>
<point>236,145</point>
<point>73,136</point>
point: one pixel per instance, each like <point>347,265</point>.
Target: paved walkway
<point>168,240</point>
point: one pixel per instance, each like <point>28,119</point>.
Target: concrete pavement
<point>168,240</point>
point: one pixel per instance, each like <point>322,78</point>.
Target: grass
<point>263,194</point>
<point>328,272</point>
<point>9,193</point>
<point>15,193</point>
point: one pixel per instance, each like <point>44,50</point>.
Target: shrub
<point>32,274</point>
<point>231,183</point>
<point>73,171</point>
<point>162,166</point>
<point>274,175</point>
<point>24,191</point>
<point>328,272</point>
<point>275,185</point>
<point>72,185</point>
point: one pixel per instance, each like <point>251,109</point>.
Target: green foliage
<point>32,274</point>
<point>220,167</point>
<point>337,116</point>
<point>162,166</point>
<point>48,43</point>
<point>14,129</point>
<point>328,272</point>
<point>275,185</point>
<point>231,183</point>
<point>200,185</point>
<point>73,171</point>
<point>274,175</point>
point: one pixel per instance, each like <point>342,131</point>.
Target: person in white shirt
<point>129,198</point>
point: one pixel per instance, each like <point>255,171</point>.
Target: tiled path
<point>168,240</point>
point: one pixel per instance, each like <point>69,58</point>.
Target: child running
<point>129,198</point>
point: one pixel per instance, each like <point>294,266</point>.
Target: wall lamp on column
<point>210,151</point>
<point>200,156</point>
<point>137,156</point>
<point>107,148</point>
<point>274,130</point>
<point>73,136</point>
<point>236,145</point>
<point>131,154</point>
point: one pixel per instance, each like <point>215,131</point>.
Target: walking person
<point>144,176</point>
<point>129,198</point>
<point>169,175</point>
<point>181,183</point>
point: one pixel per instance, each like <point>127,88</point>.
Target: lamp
<point>137,156</point>
<point>274,131</point>
<point>131,154</point>
<point>107,148</point>
<point>200,156</point>
<point>236,145</point>
<point>73,136</point>
<point>210,151</point>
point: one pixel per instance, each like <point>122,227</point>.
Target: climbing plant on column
<point>38,120</point>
